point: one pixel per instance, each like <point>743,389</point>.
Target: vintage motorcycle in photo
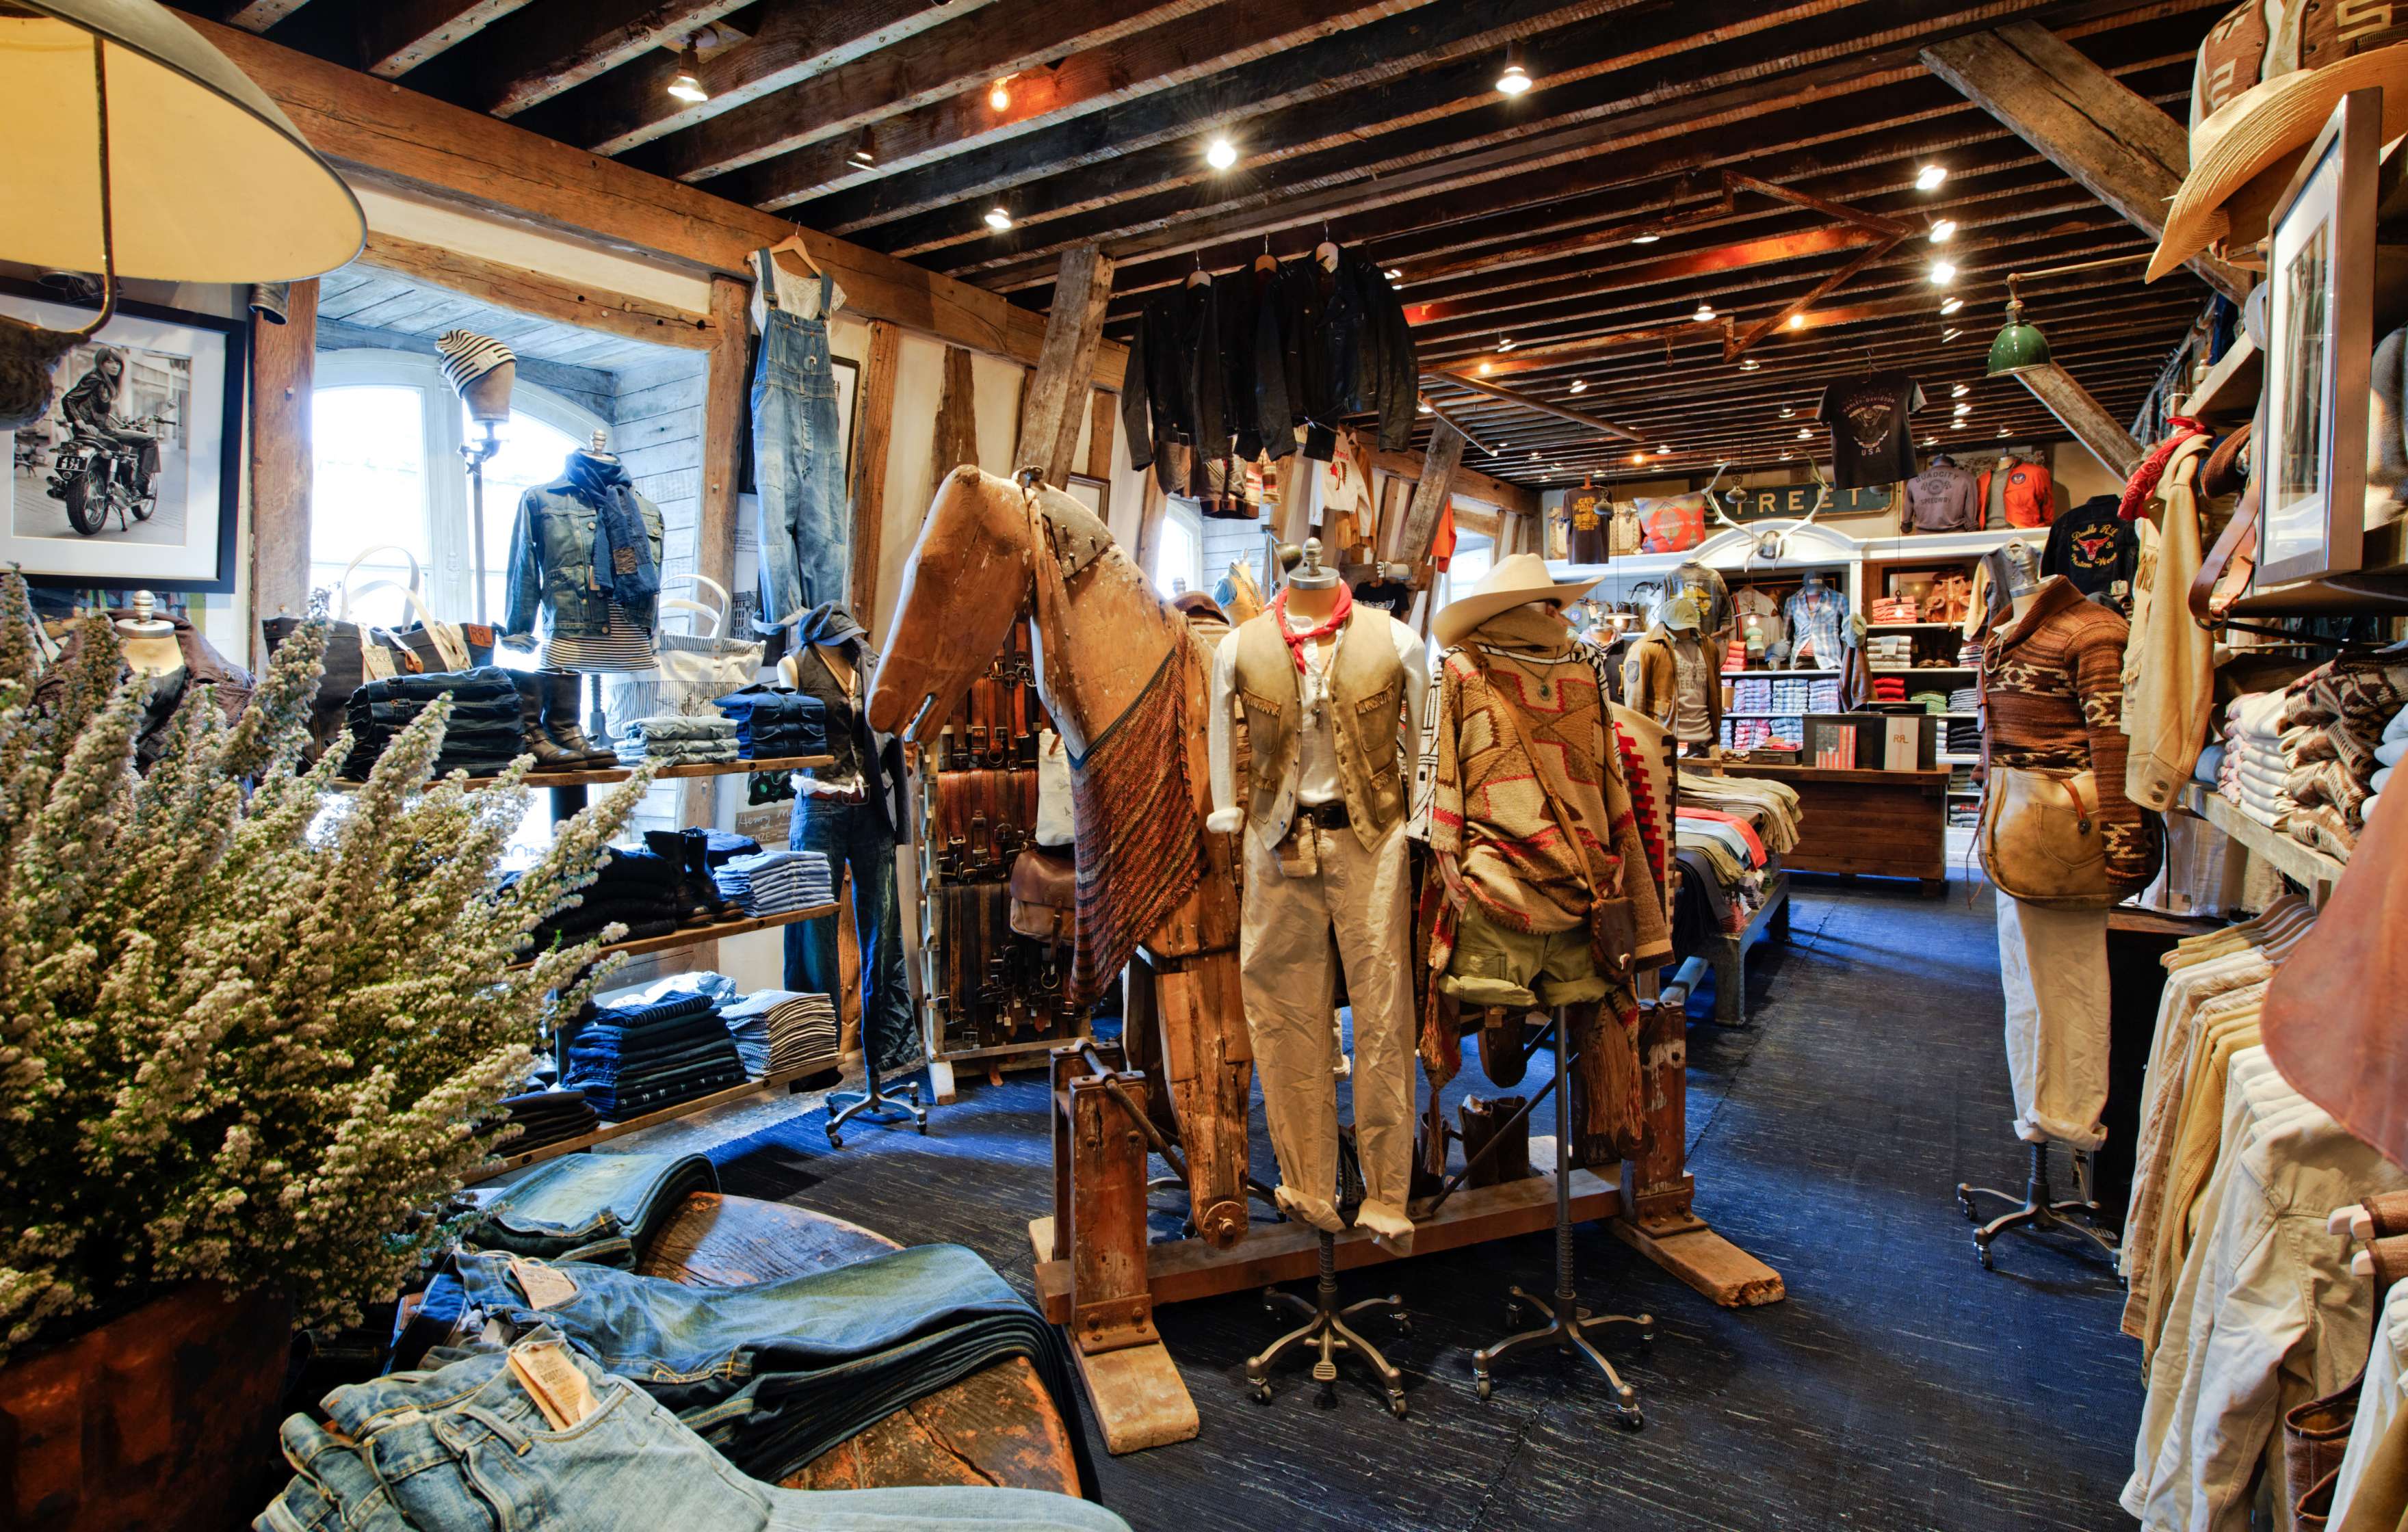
<point>96,472</point>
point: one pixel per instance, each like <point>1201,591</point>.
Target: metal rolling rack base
<point>1325,1331</point>
<point>2036,1214</point>
<point>873,1105</point>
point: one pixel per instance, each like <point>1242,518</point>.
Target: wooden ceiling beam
<point>1174,81</point>
<point>1715,260</point>
<point>2127,152</point>
<point>791,41</point>
<point>965,53</point>
<point>401,34</point>
<point>258,14</point>
<point>1531,401</point>
<point>537,53</point>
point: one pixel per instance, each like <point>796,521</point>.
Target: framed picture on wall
<point>1094,493</point>
<point>847,374</point>
<point>2319,332</point>
<point>132,477</point>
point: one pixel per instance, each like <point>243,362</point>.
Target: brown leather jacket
<point>202,663</point>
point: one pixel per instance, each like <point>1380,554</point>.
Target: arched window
<point>387,432</point>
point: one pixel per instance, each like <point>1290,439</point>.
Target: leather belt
<point>1327,816</point>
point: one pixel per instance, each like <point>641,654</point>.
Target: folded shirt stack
<point>777,1030</point>
<point>678,738</point>
<point>1823,696</point>
<point>1970,656</point>
<point>771,723</point>
<point>1965,699</point>
<point>548,1117</point>
<point>774,882</point>
<point>1964,736</point>
<point>482,737</point>
<point>635,1059</point>
<point>2334,722</point>
<point>2254,748</point>
<point>1751,696</point>
<point>637,888</point>
<point>1931,702</point>
<point>1744,734</point>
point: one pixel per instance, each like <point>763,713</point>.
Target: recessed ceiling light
<point>1942,273</point>
<point>1944,231</point>
<point>685,87</point>
<point>998,218</point>
<point>1645,238</point>
<point>1951,305</point>
<point>1483,367</point>
<point>1222,154</point>
<point>1580,385</point>
<point>1950,333</point>
<point>998,96</point>
<point>1749,364</point>
<point>1515,79</point>
<point>1929,177</point>
<point>1705,313</point>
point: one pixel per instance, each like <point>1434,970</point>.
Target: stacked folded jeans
<point>642,1058</point>
<point>777,1373</point>
<point>548,1117</point>
<point>482,735</point>
<point>678,739</point>
<point>637,889</point>
<point>771,723</point>
<point>539,1436</point>
<point>777,881</point>
<point>604,1209</point>
<point>777,1030</point>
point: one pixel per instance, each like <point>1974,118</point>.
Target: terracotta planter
<point>162,1420</point>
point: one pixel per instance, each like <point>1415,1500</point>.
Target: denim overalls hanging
<point>798,462</point>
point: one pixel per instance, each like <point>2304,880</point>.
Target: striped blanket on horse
<point>1139,838</point>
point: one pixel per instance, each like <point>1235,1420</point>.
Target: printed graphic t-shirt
<point>1872,444</point>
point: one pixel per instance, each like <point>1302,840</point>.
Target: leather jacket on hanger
<point>1347,347</point>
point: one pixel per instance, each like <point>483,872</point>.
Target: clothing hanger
<point>1327,252</point>
<point>1198,277</point>
<point>792,244</point>
<point>1267,261</point>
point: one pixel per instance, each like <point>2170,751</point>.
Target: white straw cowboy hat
<point>2244,153</point>
<point>1517,581</point>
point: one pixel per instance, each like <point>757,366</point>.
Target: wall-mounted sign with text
<point>1787,502</point>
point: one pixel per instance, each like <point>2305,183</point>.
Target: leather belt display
<point>1327,816</point>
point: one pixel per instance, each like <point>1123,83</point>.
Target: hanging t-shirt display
<point>1871,442</point>
<point>2094,547</point>
<point>1673,524</point>
<point>1585,509</point>
<point>2026,494</point>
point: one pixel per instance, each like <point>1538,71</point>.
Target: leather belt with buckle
<point>1327,816</point>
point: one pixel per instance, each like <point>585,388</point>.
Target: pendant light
<point>1515,79</point>
<point>864,154</point>
<point>687,87</point>
<point>2018,345</point>
<point>135,149</point>
<point>998,218</point>
<point>1705,314</point>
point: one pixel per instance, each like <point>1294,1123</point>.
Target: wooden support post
<point>2084,416</point>
<point>283,360</point>
<point>956,417</point>
<point>877,414</point>
<point>1049,411</point>
<point>1110,1308</point>
<point>726,390</point>
<point>1431,493</point>
<point>2084,121</point>
<point>1152,505</point>
<point>1104,419</point>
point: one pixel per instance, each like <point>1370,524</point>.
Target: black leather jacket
<point>1347,347</point>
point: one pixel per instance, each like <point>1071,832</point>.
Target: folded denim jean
<point>484,684</point>
<point>465,1446</point>
<point>599,1208</point>
<point>635,1101</point>
<point>775,1374</point>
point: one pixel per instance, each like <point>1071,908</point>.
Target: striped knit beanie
<point>468,356</point>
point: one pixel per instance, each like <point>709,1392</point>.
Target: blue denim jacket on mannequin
<point>551,562</point>
<point>466,1447</point>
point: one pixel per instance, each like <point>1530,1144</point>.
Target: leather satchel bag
<point>1044,895</point>
<point>2042,841</point>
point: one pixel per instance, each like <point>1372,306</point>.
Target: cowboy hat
<point>1517,581</point>
<point>2244,153</point>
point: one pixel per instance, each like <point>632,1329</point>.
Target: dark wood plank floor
<point>1898,1387</point>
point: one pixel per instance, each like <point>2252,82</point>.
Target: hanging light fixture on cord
<point>1515,79</point>
<point>998,218</point>
<point>686,85</point>
<point>864,154</point>
<point>1705,314</point>
<point>229,190</point>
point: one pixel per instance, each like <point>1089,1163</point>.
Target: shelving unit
<point>1910,627</point>
<point>774,1079</point>
<point>695,935</point>
<point>604,776</point>
<point>2228,393</point>
<point>1922,669</point>
<point>2311,869</point>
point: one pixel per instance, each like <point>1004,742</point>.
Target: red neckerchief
<point>1295,641</point>
<point>2143,482</point>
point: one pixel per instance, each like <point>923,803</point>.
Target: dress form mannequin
<point>2023,577</point>
<point>149,643</point>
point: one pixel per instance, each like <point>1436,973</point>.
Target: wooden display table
<point>1881,823</point>
<point>997,1427</point>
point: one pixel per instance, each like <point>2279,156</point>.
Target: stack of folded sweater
<point>777,1030</point>
<point>677,739</point>
<point>641,1058</point>
<point>1965,699</point>
<point>771,723</point>
<point>650,894</point>
<point>1931,702</point>
<point>1964,736</point>
<point>2335,721</point>
<point>775,882</point>
<point>480,738</point>
<point>548,1117</point>
<point>1969,656</point>
<point>1890,689</point>
<point>2256,769</point>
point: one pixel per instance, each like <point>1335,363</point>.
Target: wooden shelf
<point>693,935</point>
<point>1922,669</point>
<point>1902,627</point>
<point>1774,675</point>
<point>604,1133</point>
<point>2229,393</point>
<point>2302,863</point>
<point>619,774</point>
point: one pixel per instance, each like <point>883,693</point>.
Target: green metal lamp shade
<point>2018,345</point>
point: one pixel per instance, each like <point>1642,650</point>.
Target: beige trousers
<point>1329,884</point>
<point>2053,965</point>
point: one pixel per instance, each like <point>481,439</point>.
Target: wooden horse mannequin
<point>1113,661</point>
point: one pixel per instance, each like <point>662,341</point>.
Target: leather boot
<point>548,755</point>
<point>1482,1122</point>
<point>698,861</point>
<point>560,690</point>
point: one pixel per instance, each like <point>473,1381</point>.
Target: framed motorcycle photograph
<point>132,477</point>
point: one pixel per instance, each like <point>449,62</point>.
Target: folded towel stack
<point>777,1030</point>
<point>771,723</point>
<point>481,736</point>
<point>678,738</point>
<point>777,881</point>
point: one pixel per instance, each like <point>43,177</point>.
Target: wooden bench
<point>997,1427</point>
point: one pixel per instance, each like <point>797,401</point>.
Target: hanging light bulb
<point>1637,457</point>
<point>1961,391</point>
<point>1515,79</point>
<point>1705,314</point>
<point>1942,273</point>
<point>998,218</point>
<point>1944,231</point>
<point>1424,404</point>
<point>1929,177</point>
<point>1964,409</point>
<point>1484,369</point>
<point>1664,448</point>
<point>1956,425</point>
<point>998,96</point>
<point>864,154</point>
<point>1504,343</point>
<point>1805,434</point>
<point>1222,154</point>
<point>685,86</point>
<point>1797,321</point>
<point>1786,411</point>
<point>1951,306</point>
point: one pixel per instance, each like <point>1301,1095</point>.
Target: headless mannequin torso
<point>149,643</point>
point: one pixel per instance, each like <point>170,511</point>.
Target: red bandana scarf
<point>2143,482</point>
<point>1295,641</point>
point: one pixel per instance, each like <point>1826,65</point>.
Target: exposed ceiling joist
<point>543,50</point>
<point>401,34</point>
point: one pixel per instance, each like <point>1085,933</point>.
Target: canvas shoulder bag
<point>2041,838</point>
